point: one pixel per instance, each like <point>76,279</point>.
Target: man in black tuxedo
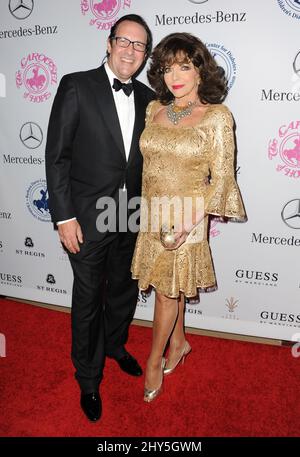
<point>93,153</point>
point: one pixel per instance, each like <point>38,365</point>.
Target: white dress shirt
<point>125,110</point>
<point>126,114</point>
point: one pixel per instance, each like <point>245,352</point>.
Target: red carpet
<point>225,388</point>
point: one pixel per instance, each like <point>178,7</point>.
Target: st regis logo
<point>104,12</point>
<point>37,74</point>
<point>285,149</point>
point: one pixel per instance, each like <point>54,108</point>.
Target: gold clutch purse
<point>167,237</point>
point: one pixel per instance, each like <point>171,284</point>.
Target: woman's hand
<point>180,238</point>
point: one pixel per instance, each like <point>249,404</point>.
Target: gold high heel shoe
<point>151,394</point>
<point>186,350</point>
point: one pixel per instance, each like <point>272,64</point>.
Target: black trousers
<point>103,304</point>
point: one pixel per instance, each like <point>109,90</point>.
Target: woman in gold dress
<point>188,150</point>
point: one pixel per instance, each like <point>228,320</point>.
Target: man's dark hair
<point>139,20</point>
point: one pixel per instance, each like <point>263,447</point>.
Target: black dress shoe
<point>91,405</point>
<point>128,364</point>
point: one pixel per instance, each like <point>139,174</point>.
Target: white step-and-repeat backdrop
<point>257,43</point>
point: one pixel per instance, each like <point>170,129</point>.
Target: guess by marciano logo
<point>142,299</point>
<point>104,13</point>
<point>38,74</point>
<point>283,319</point>
<point>10,279</point>
<point>285,149</point>
<point>256,278</point>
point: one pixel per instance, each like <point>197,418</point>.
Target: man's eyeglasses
<point>124,43</point>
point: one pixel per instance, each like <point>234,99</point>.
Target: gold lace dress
<point>178,162</point>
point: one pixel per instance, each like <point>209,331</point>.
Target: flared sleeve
<point>223,197</point>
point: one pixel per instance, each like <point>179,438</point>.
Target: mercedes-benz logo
<point>31,135</point>
<point>291,213</point>
<point>20,9</point>
<point>296,64</point>
<point>198,1</point>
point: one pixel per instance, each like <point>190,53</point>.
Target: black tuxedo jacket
<point>85,156</point>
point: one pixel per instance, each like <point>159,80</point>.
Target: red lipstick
<point>177,86</point>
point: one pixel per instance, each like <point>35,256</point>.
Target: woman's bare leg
<point>165,315</point>
<point>177,340</point>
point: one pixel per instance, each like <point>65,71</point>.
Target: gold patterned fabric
<point>188,161</point>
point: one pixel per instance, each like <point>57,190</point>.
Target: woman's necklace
<point>175,113</point>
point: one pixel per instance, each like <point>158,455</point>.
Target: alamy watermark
<point>149,215</point>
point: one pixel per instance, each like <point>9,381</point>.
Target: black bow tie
<point>127,88</point>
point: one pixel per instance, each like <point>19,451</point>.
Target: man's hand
<point>70,235</point>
